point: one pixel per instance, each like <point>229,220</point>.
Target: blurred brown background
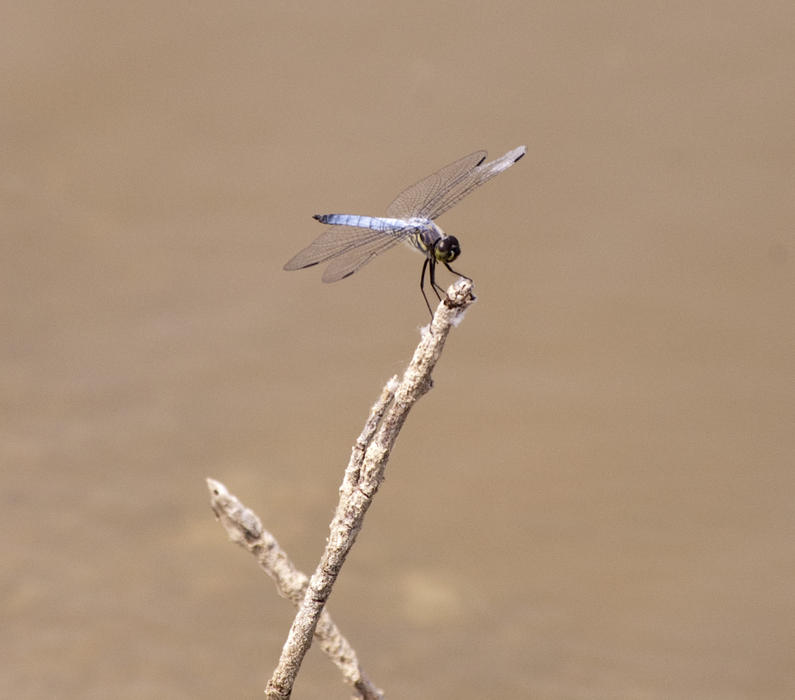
<point>596,500</point>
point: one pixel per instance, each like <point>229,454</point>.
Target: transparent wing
<point>434,195</point>
<point>418,199</point>
<point>349,247</point>
<point>345,265</point>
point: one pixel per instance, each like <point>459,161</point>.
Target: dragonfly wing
<point>332,243</point>
<point>421,196</point>
<point>447,187</point>
<point>349,247</point>
<point>346,264</point>
<point>470,181</point>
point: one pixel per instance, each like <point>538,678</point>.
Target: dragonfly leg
<point>455,272</point>
<point>436,287</point>
<point>422,284</point>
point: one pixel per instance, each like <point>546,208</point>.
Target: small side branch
<point>363,476</point>
<point>245,528</point>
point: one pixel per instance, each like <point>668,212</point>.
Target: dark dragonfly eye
<point>447,249</point>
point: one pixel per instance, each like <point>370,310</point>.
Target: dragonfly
<point>353,240</point>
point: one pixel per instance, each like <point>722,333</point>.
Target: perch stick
<point>363,476</point>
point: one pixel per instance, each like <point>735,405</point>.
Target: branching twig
<point>245,528</point>
<point>363,476</point>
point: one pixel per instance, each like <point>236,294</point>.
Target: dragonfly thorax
<point>429,239</point>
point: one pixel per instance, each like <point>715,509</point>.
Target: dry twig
<point>245,528</point>
<point>363,476</point>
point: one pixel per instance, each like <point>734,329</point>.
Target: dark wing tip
<point>519,157</point>
<point>290,266</point>
<point>319,217</point>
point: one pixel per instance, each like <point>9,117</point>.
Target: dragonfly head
<point>446,249</point>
